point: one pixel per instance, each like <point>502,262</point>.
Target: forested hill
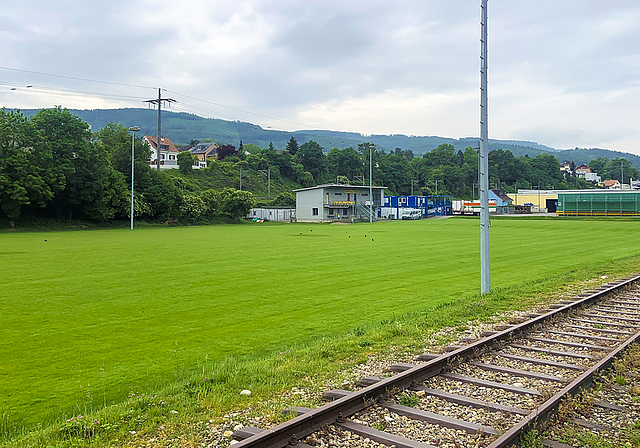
<point>183,127</point>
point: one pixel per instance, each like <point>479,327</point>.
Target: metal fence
<point>273,214</point>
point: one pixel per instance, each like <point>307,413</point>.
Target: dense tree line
<point>52,166</point>
<point>442,170</point>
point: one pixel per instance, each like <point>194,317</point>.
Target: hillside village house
<point>566,167</point>
<point>168,152</point>
<point>584,171</point>
<point>613,184</point>
<point>203,152</point>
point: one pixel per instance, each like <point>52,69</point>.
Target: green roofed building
<point>599,203</point>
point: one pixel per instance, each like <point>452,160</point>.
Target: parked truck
<point>472,207</point>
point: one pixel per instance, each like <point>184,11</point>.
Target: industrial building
<point>432,205</point>
<point>599,203</point>
<point>538,200</point>
<point>589,202</point>
<point>337,202</point>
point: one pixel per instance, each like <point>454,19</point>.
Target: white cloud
<point>561,73</point>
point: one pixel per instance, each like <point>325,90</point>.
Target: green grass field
<point>90,317</point>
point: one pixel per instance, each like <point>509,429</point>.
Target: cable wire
<point>241,110</point>
<point>75,78</point>
<point>149,87</point>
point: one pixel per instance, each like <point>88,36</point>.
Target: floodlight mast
<point>485,268</point>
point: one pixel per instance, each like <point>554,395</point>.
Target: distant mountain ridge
<point>182,127</point>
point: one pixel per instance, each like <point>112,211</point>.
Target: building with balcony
<point>584,171</point>
<point>168,152</point>
<point>204,151</point>
<point>337,202</point>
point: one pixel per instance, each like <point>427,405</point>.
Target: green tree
<point>344,162</point>
<point>546,171</point>
<point>292,146</point>
<point>113,197</point>
<point>192,206</point>
<point>599,164</point>
<point>620,168</point>
<point>236,203</point>
<point>185,162</point>
<point>396,172</point>
<point>285,200</point>
<point>444,154</point>
<point>23,180</point>
<point>163,197</point>
<point>115,140</point>
<point>211,199</point>
<point>311,157</point>
<point>81,169</point>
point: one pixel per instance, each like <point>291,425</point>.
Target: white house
<point>584,171</point>
<point>168,152</point>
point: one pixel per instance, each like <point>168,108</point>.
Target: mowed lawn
<point>87,317</point>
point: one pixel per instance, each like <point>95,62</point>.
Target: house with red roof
<point>613,184</point>
<point>168,152</point>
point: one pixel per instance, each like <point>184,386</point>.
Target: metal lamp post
<point>132,129</point>
<point>371,146</point>
<point>267,174</point>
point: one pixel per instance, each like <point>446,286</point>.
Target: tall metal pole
<point>485,267</point>
<point>132,158</point>
<point>132,129</point>
<point>370,185</point>
<point>159,101</point>
<point>159,127</point>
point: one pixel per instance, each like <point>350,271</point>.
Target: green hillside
<point>182,127</point>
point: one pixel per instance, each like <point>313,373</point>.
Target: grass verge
<point>181,413</point>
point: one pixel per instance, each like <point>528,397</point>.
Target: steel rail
<point>303,425</point>
<point>538,415</point>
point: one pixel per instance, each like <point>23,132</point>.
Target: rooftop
<point>152,139</point>
<point>360,187</point>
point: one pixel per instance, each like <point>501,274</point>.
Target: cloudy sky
<point>564,73</point>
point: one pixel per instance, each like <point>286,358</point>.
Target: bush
<point>192,207</point>
<point>236,203</point>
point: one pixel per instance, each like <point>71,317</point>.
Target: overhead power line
<point>46,90</point>
<point>243,111</point>
<point>75,78</point>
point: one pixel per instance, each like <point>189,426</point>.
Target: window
<point>337,194</point>
<point>162,156</point>
<point>364,194</point>
<point>315,211</point>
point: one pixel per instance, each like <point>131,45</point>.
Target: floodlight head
<point>134,128</point>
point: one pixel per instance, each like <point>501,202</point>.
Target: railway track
<point>486,393</point>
